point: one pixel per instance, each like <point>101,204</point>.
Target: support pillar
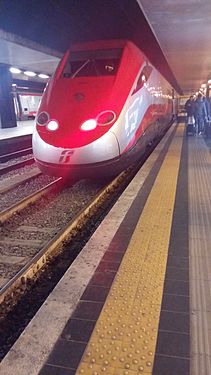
<point>7,109</point>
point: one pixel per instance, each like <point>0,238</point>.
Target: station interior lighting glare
<point>209,81</point>
<point>15,70</point>
<point>30,74</point>
<point>203,85</point>
<point>44,76</point>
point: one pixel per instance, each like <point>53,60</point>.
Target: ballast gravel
<point>27,232</point>
<point>15,172</point>
<point>20,192</point>
<point>16,160</point>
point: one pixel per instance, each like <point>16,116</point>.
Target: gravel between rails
<point>13,196</point>
<point>16,160</point>
<point>27,232</point>
<point>16,172</point>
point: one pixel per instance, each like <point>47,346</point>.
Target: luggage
<point>207,130</point>
<point>190,128</point>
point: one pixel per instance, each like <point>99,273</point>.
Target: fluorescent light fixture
<point>44,76</point>
<point>30,74</point>
<point>15,70</point>
<point>209,81</point>
<point>14,84</point>
<point>203,85</point>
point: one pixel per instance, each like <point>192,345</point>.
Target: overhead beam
<point>14,38</point>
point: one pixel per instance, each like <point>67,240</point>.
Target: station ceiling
<point>174,34</point>
<point>25,58</point>
<point>183,30</point>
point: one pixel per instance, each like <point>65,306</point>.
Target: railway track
<point>8,167</point>
<point>21,189</point>
<point>13,155</point>
<point>28,239</point>
<point>30,199</point>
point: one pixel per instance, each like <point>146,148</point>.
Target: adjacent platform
<point>23,128</point>
<point>137,299</point>
<point>15,139</point>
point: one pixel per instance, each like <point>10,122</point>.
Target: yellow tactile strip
<point>124,339</point>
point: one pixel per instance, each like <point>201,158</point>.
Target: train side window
<point>143,78</point>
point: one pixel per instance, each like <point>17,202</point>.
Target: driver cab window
<point>143,77</point>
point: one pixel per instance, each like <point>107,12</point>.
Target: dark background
<point>59,23</point>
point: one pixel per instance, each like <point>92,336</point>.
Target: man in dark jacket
<point>189,106</point>
<point>200,113</point>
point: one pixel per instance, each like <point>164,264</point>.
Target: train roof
<point>102,44</point>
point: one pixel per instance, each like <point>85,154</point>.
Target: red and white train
<point>103,106</point>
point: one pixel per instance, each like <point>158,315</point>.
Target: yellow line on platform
<point>124,339</point>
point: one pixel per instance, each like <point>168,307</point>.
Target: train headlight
<point>106,118</point>
<point>42,118</point>
<point>89,125</point>
<point>52,125</point>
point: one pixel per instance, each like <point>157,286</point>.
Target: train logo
<point>65,156</point>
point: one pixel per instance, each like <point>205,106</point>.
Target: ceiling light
<point>15,70</point>
<point>45,76</point>
<point>209,81</point>
<point>30,74</point>
<point>203,85</point>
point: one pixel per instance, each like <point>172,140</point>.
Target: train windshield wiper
<point>81,67</point>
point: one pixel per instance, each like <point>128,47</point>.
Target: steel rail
<point>16,154</point>
<point>15,166</point>
<point>13,185</point>
<point>32,198</point>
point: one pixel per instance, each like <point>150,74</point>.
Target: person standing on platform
<point>189,106</point>
<point>207,105</point>
<point>207,120</point>
<point>190,119</point>
<point>200,113</point>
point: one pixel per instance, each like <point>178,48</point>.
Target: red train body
<point>101,108</point>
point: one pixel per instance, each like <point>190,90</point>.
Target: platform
<point>136,301</point>
<point>23,128</point>
<point>15,139</point>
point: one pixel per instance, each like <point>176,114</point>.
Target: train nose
<point>103,149</point>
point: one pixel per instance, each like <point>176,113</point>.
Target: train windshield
<point>92,63</point>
